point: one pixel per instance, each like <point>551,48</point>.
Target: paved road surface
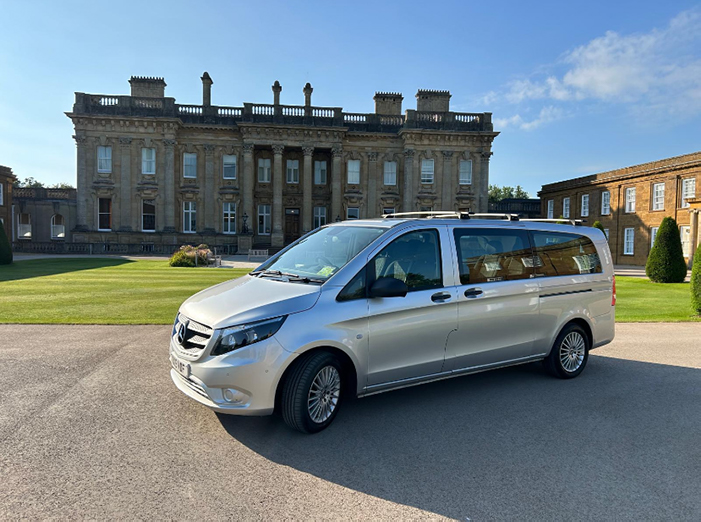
<point>91,427</point>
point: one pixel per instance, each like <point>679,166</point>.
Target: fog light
<point>234,396</point>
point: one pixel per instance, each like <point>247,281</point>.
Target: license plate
<point>180,366</point>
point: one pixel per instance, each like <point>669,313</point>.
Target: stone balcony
<point>130,106</point>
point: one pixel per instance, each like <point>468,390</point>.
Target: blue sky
<point>575,87</point>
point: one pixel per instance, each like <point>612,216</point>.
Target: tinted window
<point>413,258</point>
<point>355,289</point>
<point>559,254</point>
<point>487,256</point>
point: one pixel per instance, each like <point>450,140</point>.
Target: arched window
<point>58,227</point>
<point>24,226</point>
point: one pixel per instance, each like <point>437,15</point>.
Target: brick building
<point>44,219</point>
<point>150,171</point>
<point>631,203</point>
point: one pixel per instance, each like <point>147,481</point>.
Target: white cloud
<point>655,71</point>
<point>547,114</point>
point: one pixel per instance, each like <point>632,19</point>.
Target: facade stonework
<point>44,219</point>
<point>639,197</point>
<point>153,171</point>
<point>7,179</point>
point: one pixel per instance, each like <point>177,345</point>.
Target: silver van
<point>366,306</point>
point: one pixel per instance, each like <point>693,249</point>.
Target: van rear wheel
<point>312,392</point>
<point>570,352</point>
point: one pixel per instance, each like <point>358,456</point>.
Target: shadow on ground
<point>53,266</point>
<point>619,442</point>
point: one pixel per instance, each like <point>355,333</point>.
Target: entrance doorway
<point>291,225</point>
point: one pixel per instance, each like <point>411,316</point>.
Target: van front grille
<point>191,335</point>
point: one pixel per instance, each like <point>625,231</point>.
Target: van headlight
<point>236,337</point>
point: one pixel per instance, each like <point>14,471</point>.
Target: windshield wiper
<point>291,277</point>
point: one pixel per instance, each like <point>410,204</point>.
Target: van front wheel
<point>312,393</point>
<point>570,353</point>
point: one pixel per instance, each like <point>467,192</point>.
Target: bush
<point>597,224</point>
<point>5,248</point>
<point>696,282</point>
<point>187,255</point>
<point>665,264</point>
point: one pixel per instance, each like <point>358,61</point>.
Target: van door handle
<point>440,297</point>
<point>473,292</point>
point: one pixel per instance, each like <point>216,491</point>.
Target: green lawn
<point>118,291</point>
<point>100,291</point>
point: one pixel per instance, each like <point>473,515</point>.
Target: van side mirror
<point>388,287</point>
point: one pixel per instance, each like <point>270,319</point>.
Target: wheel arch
<point>580,321</point>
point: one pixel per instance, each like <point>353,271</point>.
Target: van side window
<point>414,258</point>
<point>561,254</point>
<point>355,289</point>
<point>491,255</point>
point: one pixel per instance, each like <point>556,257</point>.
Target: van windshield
<point>321,254</point>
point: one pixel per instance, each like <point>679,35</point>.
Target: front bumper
<point>251,374</point>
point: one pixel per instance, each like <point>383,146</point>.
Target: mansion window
<point>148,161</point>
<point>148,215</point>
<point>551,208</point>
<point>229,166</point>
<point>58,227</point>
<point>653,236</point>
<point>229,210</point>
<point>465,172</point>
<point>388,210</point>
<point>319,173</point>
<point>104,159</point>
<point>566,207</point>
<point>630,200</point>
<point>104,214</point>
<point>264,220</point>
<point>628,241</point>
<point>190,165</point>
<point>264,170</point>
<point>353,213</point>
<point>390,173</point>
<point>585,205</point>
<point>319,216</point>
<point>685,234</point>
<point>658,196</point>
<point>354,172</point>
<point>427,171</point>
<point>605,203</point>
<point>292,171</point>
<point>24,226</point>
<point>688,190</point>
<point>189,217</point>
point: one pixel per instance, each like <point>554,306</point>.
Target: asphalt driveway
<point>92,427</point>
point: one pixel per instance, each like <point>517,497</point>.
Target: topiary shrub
<point>696,283</point>
<point>665,264</point>
<point>5,248</point>
<point>189,255</point>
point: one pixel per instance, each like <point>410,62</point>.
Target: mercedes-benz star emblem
<point>181,333</point>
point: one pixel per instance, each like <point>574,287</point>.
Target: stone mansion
<point>151,171</point>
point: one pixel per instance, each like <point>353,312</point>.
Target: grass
<point>119,291</point>
<point>100,291</point>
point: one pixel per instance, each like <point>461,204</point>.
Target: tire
<point>312,392</point>
<point>570,352</point>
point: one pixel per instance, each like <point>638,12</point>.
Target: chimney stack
<point>206,89</point>
<point>432,101</point>
<point>388,103</point>
<point>147,87</point>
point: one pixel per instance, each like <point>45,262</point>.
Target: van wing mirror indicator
<point>388,287</point>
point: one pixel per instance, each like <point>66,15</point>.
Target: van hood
<point>248,299</point>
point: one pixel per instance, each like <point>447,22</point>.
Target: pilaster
<point>277,238</point>
<point>247,188</point>
<point>126,184</point>
<point>307,189</point>
<point>484,181</point>
<point>448,193</point>
<point>371,209</point>
<point>209,202</point>
<point>336,195</point>
<point>169,186</point>
<point>408,205</point>
<point>82,182</point>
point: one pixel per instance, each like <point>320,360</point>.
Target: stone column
<point>277,238</point>
<point>125,192</point>
<point>307,189</point>
<point>448,194</point>
<point>484,182</point>
<point>82,182</point>
<point>169,187</point>
<point>408,180</point>
<point>209,201</point>
<point>693,235</point>
<point>248,183</point>
<point>336,185</point>
<point>371,211</point>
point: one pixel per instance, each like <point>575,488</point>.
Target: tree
<point>5,248</point>
<point>30,182</point>
<point>61,186</point>
<point>597,224</point>
<point>665,264</point>
<point>696,283</point>
<point>497,193</point>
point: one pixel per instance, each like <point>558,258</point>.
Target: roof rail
<point>490,215</point>
<point>562,221</point>
<point>429,214</point>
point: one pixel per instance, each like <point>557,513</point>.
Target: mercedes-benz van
<point>366,306</point>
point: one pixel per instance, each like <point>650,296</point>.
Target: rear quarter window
<point>563,254</point>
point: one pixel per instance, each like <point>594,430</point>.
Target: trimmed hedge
<point>666,264</point>
<point>696,283</point>
<point>5,248</point>
<point>187,254</point>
